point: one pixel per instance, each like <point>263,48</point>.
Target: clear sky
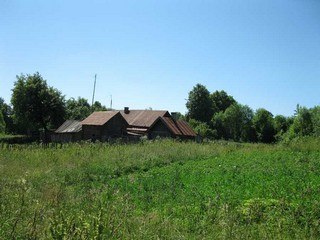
<point>150,53</point>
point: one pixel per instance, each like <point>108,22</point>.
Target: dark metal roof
<point>171,125</point>
<point>185,128</point>
<point>143,118</point>
<point>178,128</point>
<point>99,118</point>
<point>70,126</point>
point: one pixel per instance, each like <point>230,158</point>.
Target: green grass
<point>161,190</point>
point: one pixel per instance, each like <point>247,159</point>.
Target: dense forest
<point>218,115</point>
<point>35,105</point>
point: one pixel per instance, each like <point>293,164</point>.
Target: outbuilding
<point>104,125</point>
<point>69,131</point>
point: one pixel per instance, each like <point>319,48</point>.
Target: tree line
<point>218,115</point>
<point>36,105</point>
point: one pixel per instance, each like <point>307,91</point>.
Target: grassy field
<point>161,190</point>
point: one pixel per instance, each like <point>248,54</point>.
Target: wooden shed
<point>104,125</point>
<point>69,131</point>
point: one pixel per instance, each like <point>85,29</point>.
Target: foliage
<point>179,116</point>
<point>35,104</point>
<point>217,123</point>
<point>6,111</point>
<point>199,104</point>
<point>160,190</point>
<point>263,125</point>
<point>236,123</point>
<point>2,124</point>
<point>281,126</point>
<point>302,124</point>
<point>221,101</point>
<point>97,106</point>
<point>77,109</point>
<point>315,117</point>
<point>202,129</point>
<point>233,121</point>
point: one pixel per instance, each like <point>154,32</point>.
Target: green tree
<point>248,133</point>
<point>199,104</point>
<point>179,116</point>
<point>6,111</point>
<point>78,109</point>
<point>281,125</point>
<point>97,106</point>
<point>202,129</point>
<point>217,123</point>
<point>264,125</point>
<point>302,124</point>
<point>237,122</point>
<point>221,101</point>
<point>35,104</point>
<point>315,117</point>
<point>2,124</point>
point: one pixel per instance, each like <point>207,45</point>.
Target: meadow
<point>161,189</point>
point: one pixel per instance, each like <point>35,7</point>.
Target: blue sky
<point>146,53</point>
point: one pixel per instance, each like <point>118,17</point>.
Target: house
<point>104,125</point>
<point>169,127</point>
<point>140,121</point>
<point>154,124</point>
<point>69,131</point>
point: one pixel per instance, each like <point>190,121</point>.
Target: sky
<point>151,53</point>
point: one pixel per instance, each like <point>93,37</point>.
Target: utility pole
<point>111,102</point>
<point>94,89</point>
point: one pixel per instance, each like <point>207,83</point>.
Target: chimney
<point>174,115</point>
<point>126,110</point>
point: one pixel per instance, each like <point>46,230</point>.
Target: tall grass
<point>162,189</point>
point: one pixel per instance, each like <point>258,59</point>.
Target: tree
<point>78,109</point>
<point>281,125</point>
<point>305,123</point>
<point>202,129</point>
<point>248,133</point>
<point>315,116</point>
<point>264,126</point>
<point>6,111</point>
<point>302,124</point>
<point>217,124</point>
<point>35,104</point>
<point>199,104</point>
<point>97,106</point>
<point>221,101</point>
<point>2,124</point>
<point>237,123</point>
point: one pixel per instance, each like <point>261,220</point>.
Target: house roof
<point>171,124</point>
<point>70,126</point>
<point>99,118</point>
<point>143,118</point>
<point>140,121</point>
<point>185,128</point>
<point>178,128</point>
